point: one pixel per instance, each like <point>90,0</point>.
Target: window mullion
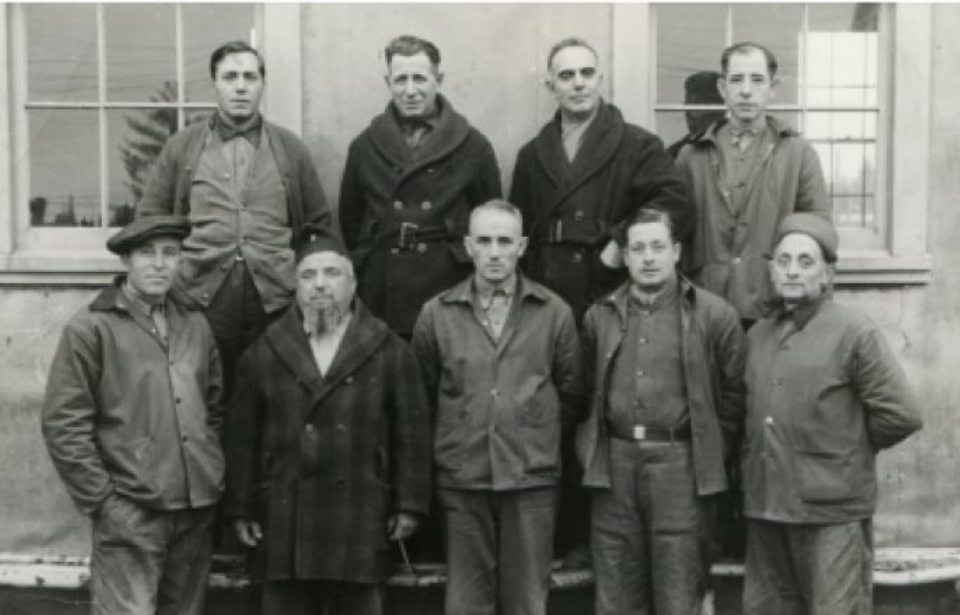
<point>102,115</point>
<point>181,69</point>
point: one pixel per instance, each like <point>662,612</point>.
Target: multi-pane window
<point>104,86</point>
<point>830,68</point>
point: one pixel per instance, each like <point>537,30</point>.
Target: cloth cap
<point>819,229</point>
<point>148,227</point>
<point>320,241</point>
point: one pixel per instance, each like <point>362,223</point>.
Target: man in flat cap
<point>251,192</point>
<point>410,181</point>
<point>328,446</point>
<point>826,394</point>
<point>132,420</point>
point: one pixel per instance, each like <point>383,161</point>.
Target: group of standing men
<point>417,357</point>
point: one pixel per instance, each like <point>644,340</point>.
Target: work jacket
<point>322,461</point>
<point>168,192</point>
<point>404,211</point>
<point>499,406</point>
<point>712,348</point>
<point>727,255</point>
<point>571,211</point>
<point>826,394</point>
<point>122,408</point>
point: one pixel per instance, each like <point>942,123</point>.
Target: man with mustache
<point>747,173</point>
<point>410,181</point>
<point>250,190</point>
<point>132,421</point>
<point>328,446</point>
<point>665,365</point>
<point>501,361</point>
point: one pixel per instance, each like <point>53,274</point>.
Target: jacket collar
<point>112,298</point>
<point>618,299</point>
<point>709,135</point>
<point>450,131</point>
<point>463,291</point>
<point>364,336</point>
<point>802,314</point>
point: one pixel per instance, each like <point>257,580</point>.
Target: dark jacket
<point>571,211</point>
<point>826,395</point>
<point>499,406</point>
<point>431,190</point>
<point>727,253</point>
<point>168,190</point>
<point>322,461</point>
<point>712,346</point>
<point>121,409</point>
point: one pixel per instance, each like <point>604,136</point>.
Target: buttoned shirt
<point>826,394</point>
<point>492,304</point>
<point>742,150</point>
<point>646,381</point>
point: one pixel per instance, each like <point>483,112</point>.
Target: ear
<point>468,244</point>
<point>522,246</point>
<point>386,79</point>
<point>678,248</point>
<point>439,78</point>
<point>722,87</point>
<point>548,83</point>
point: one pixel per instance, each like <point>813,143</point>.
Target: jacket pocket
<point>825,476</point>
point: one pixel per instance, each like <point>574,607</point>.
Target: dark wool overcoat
<point>322,461</point>
<point>571,211</point>
<point>431,189</point>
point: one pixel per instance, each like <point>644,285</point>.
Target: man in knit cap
<point>826,393</point>
<point>327,444</point>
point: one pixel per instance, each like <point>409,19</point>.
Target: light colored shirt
<point>571,134</point>
<point>324,345</point>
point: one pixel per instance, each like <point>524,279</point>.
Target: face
<point>152,265</point>
<point>325,279</point>
<point>651,255</point>
<point>747,87</point>
<point>496,244</point>
<point>575,81</point>
<point>238,86</point>
<point>798,270</point>
<point>413,83</point>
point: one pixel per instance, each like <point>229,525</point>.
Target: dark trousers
<point>809,569</point>
<point>303,597</point>
<point>650,532</point>
<point>237,318</point>
<point>499,546</point>
<point>146,561</point>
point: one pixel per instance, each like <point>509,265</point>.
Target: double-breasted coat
<point>322,461</point>
<point>572,210</point>
<point>404,211</point>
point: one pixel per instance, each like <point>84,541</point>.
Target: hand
<point>248,532</point>
<point>611,256</point>
<point>401,525</point>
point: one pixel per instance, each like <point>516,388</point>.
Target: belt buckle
<point>639,432</point>
<point>408,235</point>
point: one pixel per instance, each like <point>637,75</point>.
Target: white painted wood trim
<point>283,53</point>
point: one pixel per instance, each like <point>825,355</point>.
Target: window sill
<point>880,268</point>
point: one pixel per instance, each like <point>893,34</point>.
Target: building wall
<point>493,76</point>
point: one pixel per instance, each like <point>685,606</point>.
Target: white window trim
<point>905,258</point>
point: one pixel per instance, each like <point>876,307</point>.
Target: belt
<point>649,433</point>
<point>409,235</point>
<point>575,230</point>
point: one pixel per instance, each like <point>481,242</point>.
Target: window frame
<point>903,152</point>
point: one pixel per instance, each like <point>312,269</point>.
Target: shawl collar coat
<point>386,184</point>
<point>321,461</point>
<point>619,168</point>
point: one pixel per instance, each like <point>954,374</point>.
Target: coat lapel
<point>600,143</point>
<point>289,342</point>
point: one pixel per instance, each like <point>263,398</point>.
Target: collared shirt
<point>741,157</point>
<point>250,130</point>
<point>325,345</point>
<point>492,305</point>
<point>155,313</point>
<point>647,385</point>
<point>826,394</point>
<point>416,130</point>
<point>572,133</point>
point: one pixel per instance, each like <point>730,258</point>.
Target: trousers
<point>650,532</point>
<point>499,547</point>
<point>809,569</point>
<point>147,561</point>
<point>308,597</point>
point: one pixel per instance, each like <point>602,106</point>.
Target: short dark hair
<point>747,47</point>
<point>570,41</point>
<point>408,45</point>
<point>231,48</point>
<point>648,214</point>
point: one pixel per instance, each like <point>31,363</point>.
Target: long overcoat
<point>321,461</point>
<point>570,211</point>
<point>426,194</point>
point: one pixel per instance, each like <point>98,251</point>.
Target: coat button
<point>348,380</point>
<point>577,257</point>
<point>398,204</point>
<point>578,215</point>
<point>394,250</point>
<point>308,428</point>
<point>736,260</point>
<point>341,428</point>
<point>426,206</point>
<point>422,248</point>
